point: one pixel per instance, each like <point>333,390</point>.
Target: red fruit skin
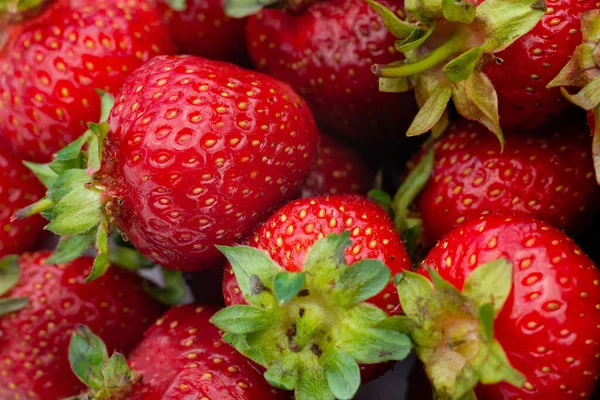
<point>326,53</point>
<point>548,177</point>
<point>532,61</point>
<point>183,356</point>
<point>34,341</point>
<point>548,326</point>
<point>196,161</point>
<point>203,29</point>
<point>338,169</point>
<point>53,63</point>
<point>18,189</point>
<point>303,222</point>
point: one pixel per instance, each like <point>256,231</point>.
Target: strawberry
<point>338,169</point>
<point>514,305</point>
<point>494,58</point>
<point>307,321</point>
<point>548,177</point>
<point>18,187</point>
<point>324,52</point>
<point>198,153</point>
<point>181,356</point>
<point>41,311</point>
<point>200,27</point>
<point>52,63</point>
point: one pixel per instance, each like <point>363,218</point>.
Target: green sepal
<point>70,157</point>
<point>313,385</point>
<point>343,374</point>
<point>326,257</point>
<point>372,346</point>
<point>116,373</point>
<point>587,98</point>
<point>72,247</point>
<point>77,212</point>
<point>283,374</point>
<point>361,281</point>
<point>395,85</point>
<point>8,306</point>
<point>128,258</point>
<point>490,283</point>
<point>172,292</point>
<point>398,323</point>
<point>95,144</point>
<point>107,101</point>
<point>246,345</point>
<point>382,198</point>
<point>486,319</point>
<point>411,288</point>
<point>286,285</point>
<point>392,22</point>
<point>9,273</point>
<point>458,11</point>
<point>177,5</point>
<point>426,11</point>
<point>463,66</point>
<point>245,8</point>
<point>87,356</point>
<point>417,37</point>
<point>241,320</point>
<point>497,368</point>
<point>42,172</point>
<point>431,112</point>
<point>102,261</point>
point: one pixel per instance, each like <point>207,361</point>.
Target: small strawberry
<point>200,27</point>
<point>494,58</point>
<point>549,177</point>
<point>52,63</point>
<point>325,51</point>
<point>18,188</point>
<point>182,356</point>
<point>307,321</point>
<point>40,309</point>
<point>198,153</point>
<point>512,312</point>
<point>338,169</point>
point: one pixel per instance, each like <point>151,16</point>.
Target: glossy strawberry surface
<point>199,153</point>
<point>18,189</point>
<point>549,324</point>
<point>203,29</point>
<point>326,53</point>
<point>34,340</point>
<point>183,356</point>
<point>52,64</point>
<point>548,175</point>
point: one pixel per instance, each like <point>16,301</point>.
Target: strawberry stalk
<point>312,329</point>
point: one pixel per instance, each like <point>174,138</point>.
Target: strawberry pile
<point>210,199</point>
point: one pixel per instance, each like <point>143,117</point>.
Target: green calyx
<point>453,331</point>
<point>9,277</point>
<point>73,202</point>
<point>14,11</point>
<point>312,329</point>
<point>446,52</point>
<point>106,377</point>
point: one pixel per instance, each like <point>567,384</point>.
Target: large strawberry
<point>325,52</point>
<point>201,27</point>
<point>40,306</point>
<point>51,63</point>
<point>316,276</point>
<point>494,58</point>
<point>514,306</point>
<point>198,153</point>
<point>182,356</point>
<point>18,188</point>
<point>548,176</point>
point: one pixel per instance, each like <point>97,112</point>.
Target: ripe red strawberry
<point>18,188</point>
<point>325,53</point>
<point>34,341</point>
<point>548,177</point>
<point>524,281</point>
<point>307,306</point>
<point>521,47</point>
<point>52,63</point>
<point>338,169</point>
<point>198,153</point>
<point>182,356</point>
<point>200,27</point>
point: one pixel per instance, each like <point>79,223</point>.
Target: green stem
<point>35,208</point>
<point>452,46</point>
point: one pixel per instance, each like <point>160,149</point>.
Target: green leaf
<point>116,373</point>
<point>486,320</point>
<point>361,281</point>
<point>414,291</point>
<point>343,374</point>
<point>245,8</point>
<point>287,285</point>
<point>72,247</point>
<point>69,157</point>
<point>242,319</point>
<point>66,183</point>
<point>87,355</point>
<point>441,285</point>
<point>177,5</point>
<point>372,346</point>
<point>312,385</point>
<point>43,172</point>
<point>431,112</point>
<point>283,373</point>
<point>496,368</point>
<point>326,258</point>
<point>253,270</point>
<point>490,282</point>
<point>9,273</point>
<point>101,262</point>
<point>95,145</point>
<point>173,290</point>
<point>414,40</point>
<point>241,344</point>
<point>398,323</point>
<point>8,306</point>
<point>587,98</point>
<point>77,212</point>
<point>392,22</point>
<point>458,11</point>
<point>463,66</point>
